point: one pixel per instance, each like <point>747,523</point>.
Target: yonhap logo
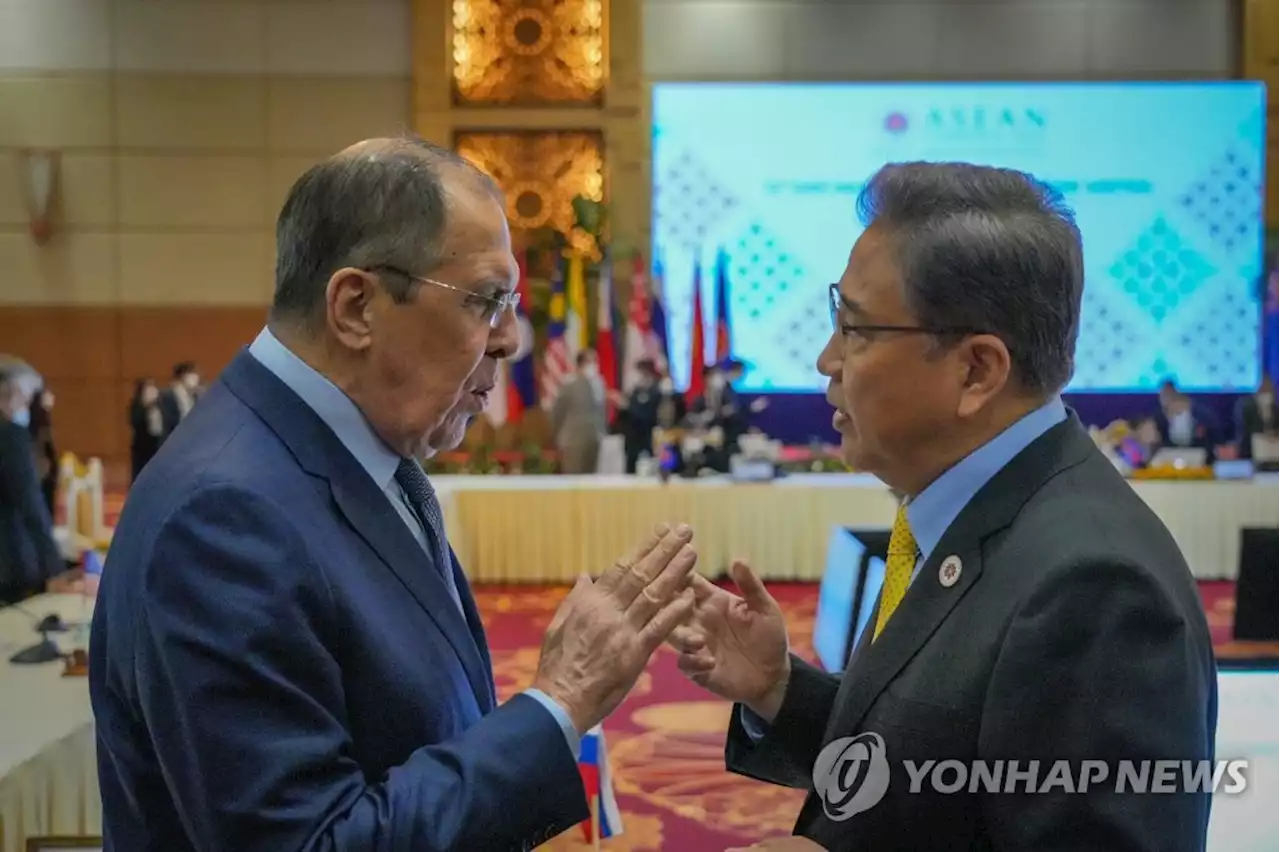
<point>851,775</point>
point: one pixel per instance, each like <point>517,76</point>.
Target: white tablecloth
<point>48,777</point>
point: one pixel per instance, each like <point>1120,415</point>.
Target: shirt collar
<point>331,405</point>
<point>933,510</point>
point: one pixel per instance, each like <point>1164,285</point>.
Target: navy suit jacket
<point>276,664</point>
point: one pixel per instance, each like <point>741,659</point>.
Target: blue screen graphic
<point>1165,180</point>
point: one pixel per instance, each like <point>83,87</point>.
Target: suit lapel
<point>477,630</point>
<point>369,513</point>
<point>366,508</point>
<point>928,600</point>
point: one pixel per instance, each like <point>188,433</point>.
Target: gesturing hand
<point>736,647</point>
<point>605,631</point>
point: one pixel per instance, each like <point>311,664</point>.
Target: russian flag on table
<point>593,765</point>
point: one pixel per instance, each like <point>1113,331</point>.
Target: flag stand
<point>595,822</point>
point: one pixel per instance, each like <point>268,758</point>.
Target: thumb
<point>753,591</point>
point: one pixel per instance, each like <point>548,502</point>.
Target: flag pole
<point>595,822</point>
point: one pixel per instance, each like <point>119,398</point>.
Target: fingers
<point>660,626</point>
<point>670,582</point>
<point>611,578</point>
<point>702,588</point>
<point>753,590</point>
<point>686,640</point>
<point>699,663</point>
<point>652,565</point>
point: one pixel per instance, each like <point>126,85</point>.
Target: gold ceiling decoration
<point>528,51</point>
<point>541,172</point>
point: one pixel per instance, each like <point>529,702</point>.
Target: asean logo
<point>895,122</point>
<point>851,775</point>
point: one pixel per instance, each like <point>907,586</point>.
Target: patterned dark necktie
<point>422,497</point>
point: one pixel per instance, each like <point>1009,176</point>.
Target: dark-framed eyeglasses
<point>493,306</point>
<point>836,303</point>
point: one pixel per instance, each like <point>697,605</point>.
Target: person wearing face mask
<point>146,420</point>
<point>1256,415</point>
<point>1184,424</point>
<point>177,400</point>
<point>29,555</point>
<point>578,417</point>
<point>638,413</point>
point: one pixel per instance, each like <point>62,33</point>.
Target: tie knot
<point>413,479</point>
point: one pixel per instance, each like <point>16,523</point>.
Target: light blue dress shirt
<point>933,510</point>
<point>342,416</point>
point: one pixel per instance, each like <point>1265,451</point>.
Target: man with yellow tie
<point>1033,610</point>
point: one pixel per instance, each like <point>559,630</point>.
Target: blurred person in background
<point>1256,414</point>
<point>177,400</point>
<point>638,413</point>
<point>1185,424</point>
<point>29,556</point>
<point>578,417</point>
<point>46,450</point>
<point>146,425</point>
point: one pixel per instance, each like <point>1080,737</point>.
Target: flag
<point>597,783</point>
<point>606,355</point>
<point>724,345</point>
<point>521,384</point>
<point>697,346</point>
<point>658,314</point>
<point>576,333</point>
<point>556,364</point>
<point>1271,329</point>
<point>641,342</point>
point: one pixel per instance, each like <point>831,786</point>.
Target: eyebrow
<point>851,305</point>
<point>494,286</point>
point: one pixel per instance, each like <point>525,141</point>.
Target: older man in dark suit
<point>1033,608</point>
<point>29,555</point>
<point>285,652</point>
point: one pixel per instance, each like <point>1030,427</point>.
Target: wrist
<point>768,703</point>
<point>576,717</point>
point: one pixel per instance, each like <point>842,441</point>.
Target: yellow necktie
<point>898,568</point>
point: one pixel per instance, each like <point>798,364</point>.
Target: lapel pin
<point>949,571</point>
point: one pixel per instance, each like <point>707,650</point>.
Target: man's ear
<point>349,306</point>
<point>986,366</point>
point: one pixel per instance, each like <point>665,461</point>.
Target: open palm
<point>734,645</point>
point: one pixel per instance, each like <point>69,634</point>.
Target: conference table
<point>548,529</point>
<point>48,776</point>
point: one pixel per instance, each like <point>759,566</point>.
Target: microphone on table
<point>45,651</point>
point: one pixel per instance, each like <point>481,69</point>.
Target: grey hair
<point>381,204</point>
<point>15,372</point>
<point>986,249</point>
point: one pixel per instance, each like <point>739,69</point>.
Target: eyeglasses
<point>836,303</point>
<point>491,307</point>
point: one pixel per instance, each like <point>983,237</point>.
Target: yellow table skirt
<point>517,531</point>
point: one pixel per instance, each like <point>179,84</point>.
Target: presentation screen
<point>1165,180</point>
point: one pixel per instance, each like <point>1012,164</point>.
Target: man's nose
<point>504,339</point>
<point>829,358</point>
